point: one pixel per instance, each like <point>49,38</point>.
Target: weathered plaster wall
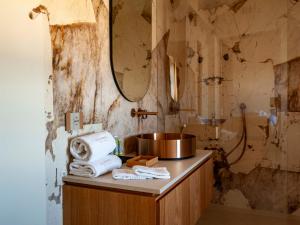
<point>81,80</point>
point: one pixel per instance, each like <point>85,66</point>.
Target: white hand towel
<point>127,174</point>
<point>96,168</point>
<point>92,147</point>
<point>155,172</point>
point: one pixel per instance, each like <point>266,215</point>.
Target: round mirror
<point>131,40</point>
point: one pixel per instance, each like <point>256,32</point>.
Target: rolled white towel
<point>92,147</point>
<point>95,168</point>
<point>127,174</point>
<point>155,172</point>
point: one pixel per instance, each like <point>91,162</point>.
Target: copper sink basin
<point>167,145</point>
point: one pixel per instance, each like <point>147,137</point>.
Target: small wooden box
<point>142,160</point>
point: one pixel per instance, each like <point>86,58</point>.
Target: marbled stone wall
<point>171,32</point>
<point>259,45</point>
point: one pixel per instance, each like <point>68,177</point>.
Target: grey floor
<point>220,215</point>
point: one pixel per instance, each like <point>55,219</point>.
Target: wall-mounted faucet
<point>142,113</point>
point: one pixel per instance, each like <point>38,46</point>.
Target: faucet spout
<point>142,113</point>
<point>182,129</point>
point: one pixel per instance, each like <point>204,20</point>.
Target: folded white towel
<point>92,147</point>
<point>155,172</point>
<point>127,174</point>
<point>95,168</point>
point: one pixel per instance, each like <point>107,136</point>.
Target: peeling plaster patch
<point>49,115</point>
<point>192,16</point>
<point>268,61</point>
<point>213,4</point>
<point>236,48</point>
<point>265,130</point>
<point>56,198</point>
<point>116,9</point>
<point>53,197</point>
<point>113,106</point>
<point>190,52</point>
<point>99,6</point>
<point>56,181</point>
<point>77,97</point>
<point>293,203</point>
<point>147,11</point>
<point>76,56</point>
<point>50,79</point>
<point>67,68</point>
<point>175,3</point>
<point>265,189</point>
<point>287,75</point>
<point>294,100</point>
<point>38,10</point>
<point>237,5</point>
<point>296,213</point>
<point>294,85</point>
<point>68,12</point>
<point>235,198</point>
<point>237,51</point>
<point>149,55</point>
<point>52,135</point>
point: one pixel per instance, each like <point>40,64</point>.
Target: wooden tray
<point>142,160</point>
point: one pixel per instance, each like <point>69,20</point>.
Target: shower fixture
<point>213,85</point>
<point>243,137</point>
<point>213,79</point>
<point>221,162</point>
<point>211,122</point>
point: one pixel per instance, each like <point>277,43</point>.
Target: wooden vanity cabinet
<point>182,204</point>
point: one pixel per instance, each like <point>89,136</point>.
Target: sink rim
<point>160,136</point>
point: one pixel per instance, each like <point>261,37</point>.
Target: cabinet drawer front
<point>87,206</point>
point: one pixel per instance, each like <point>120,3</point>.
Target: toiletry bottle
<point>121,150</point>
<point>117,149</point>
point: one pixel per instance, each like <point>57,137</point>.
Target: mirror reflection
<point>131,39</point>
<point>177,57</point>
<point>175,79</point>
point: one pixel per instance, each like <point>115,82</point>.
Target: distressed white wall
<point>77,39</point>
<point>22,125</point>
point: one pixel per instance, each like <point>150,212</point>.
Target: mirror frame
<point>112,61</point>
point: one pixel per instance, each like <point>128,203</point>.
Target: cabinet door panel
<point>195,196</point>
<point>185,204</point>
<point>175,207</point>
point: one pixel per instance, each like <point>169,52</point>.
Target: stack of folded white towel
<point>92,155</point>
<point>141,173</point>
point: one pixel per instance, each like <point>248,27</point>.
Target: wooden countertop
<point>178,169</point>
